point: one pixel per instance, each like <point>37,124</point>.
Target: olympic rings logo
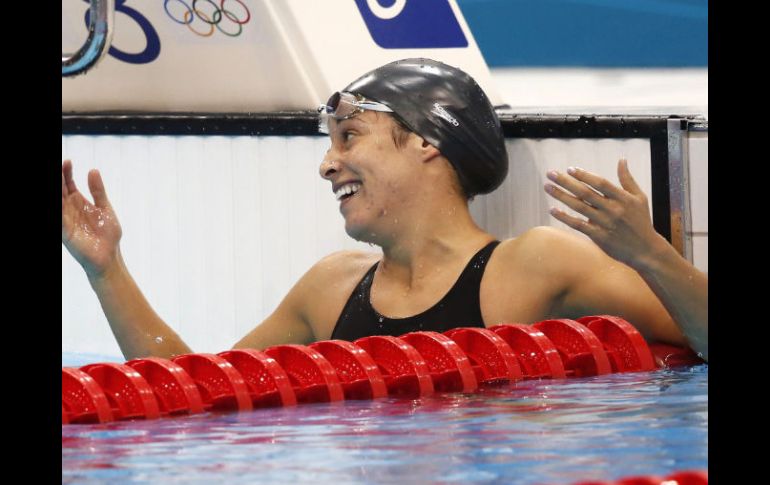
<point>212,17</point>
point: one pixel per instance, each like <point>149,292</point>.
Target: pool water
<point>533,432</point>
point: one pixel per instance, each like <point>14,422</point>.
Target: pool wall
<point>217,228</point>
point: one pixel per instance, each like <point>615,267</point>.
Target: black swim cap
<point>446,107</point>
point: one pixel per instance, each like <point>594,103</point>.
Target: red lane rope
<point>416,364</point>
<point>405,371</point>
<point>580,349</point>
<point>685,477</point>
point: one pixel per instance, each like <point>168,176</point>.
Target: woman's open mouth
<point>347,191</point>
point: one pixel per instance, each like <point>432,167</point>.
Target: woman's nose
<point>328,168</point>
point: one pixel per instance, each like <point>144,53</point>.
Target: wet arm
<point>666,298</point>
<point>683,291</point>
<point>618,221</point>
<point>140,332</point>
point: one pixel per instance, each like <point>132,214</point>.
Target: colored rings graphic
<point>211,14</point>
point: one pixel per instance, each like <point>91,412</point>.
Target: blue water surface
<point>534,432</point>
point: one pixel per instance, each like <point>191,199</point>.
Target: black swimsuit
<point>460,307</point>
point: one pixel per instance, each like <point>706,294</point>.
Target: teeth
<point>347,189</point>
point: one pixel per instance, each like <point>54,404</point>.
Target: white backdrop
<point>217,229</point>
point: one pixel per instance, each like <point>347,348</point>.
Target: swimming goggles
<point>343,106</point>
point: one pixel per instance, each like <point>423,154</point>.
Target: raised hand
<point>90,231</point>
<point>618,219</point>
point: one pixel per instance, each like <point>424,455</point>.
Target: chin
<point>364,226</point>
<point>358,232</point>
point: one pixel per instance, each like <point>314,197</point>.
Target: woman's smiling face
<point>371,176</point>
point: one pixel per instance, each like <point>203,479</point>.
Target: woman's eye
<point>347,136</point>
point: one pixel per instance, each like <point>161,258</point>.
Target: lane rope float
<point>414,365</point>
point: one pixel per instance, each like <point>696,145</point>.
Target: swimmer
<point>411,143</point>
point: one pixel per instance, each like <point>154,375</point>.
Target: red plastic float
<point>688,477</point>
<point>405,371</point>
<point>624,345</point>
<point>415,365</point>
<point>129,394</point>
<point>311,375</point>
<point>83,399</point>
<point>536,354</point>
<point>173,387</point>
<point>493,361</point>
<point>448,365</point>
<point>268,383</point>
<point>647,480</point>
<point>581,351</point>
<point>356,369</point>
<point>221,386</point>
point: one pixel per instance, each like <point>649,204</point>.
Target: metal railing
<point>679,183</point>
<point>100,27</point>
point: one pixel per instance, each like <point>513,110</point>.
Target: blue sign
<point>412,24</point>
<point>590,33</point>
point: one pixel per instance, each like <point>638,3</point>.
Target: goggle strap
<point>359,103</point>
<point>374,106</point>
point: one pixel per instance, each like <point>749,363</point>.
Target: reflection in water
<point>535,432</point>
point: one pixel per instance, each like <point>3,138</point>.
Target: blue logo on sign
<point>410,24</point>
<point>152,48</point>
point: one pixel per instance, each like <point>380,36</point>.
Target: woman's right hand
<point>90,231</point>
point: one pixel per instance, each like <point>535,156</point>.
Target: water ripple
<point>555,432</point>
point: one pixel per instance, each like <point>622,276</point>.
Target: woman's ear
<point>427,151</point>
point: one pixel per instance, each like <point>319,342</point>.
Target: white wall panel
<point>162,196</point>
<point>248,233</point>
<point>521,203</point>
<point>194,192</point>
<point>217,229</point>
<point>302,177</point>
<point>274,200</point>
<point>217,219</point>
<point>700,250</point>
<point>698,155</point>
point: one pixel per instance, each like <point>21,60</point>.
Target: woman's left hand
<point>618,219</point>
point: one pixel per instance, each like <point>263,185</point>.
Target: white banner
<point>256,55</point>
